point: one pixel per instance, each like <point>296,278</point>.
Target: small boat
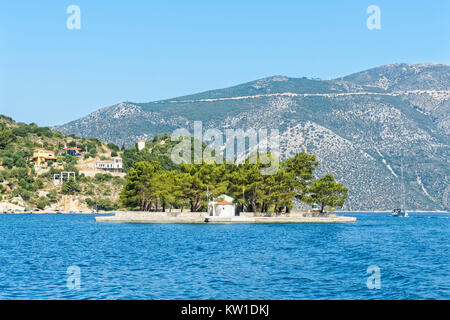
<point>399,213</point>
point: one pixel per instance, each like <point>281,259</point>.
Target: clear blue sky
<point>147,50</point>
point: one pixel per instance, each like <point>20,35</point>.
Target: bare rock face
<point>15,204</point>
<point>361,127</point>
<point>72,204</point>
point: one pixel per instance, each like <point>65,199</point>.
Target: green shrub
<point>44,132</point>
<point>92,153</point>
<point>112,147</point>
<point>27,183</point>
<point>20,163</point>
<point>52,196</point>
<point>42,203</point>
<point>8,162</point>
<point>5,174</point>
<point>6,137</point>
<point>82,178</point>
<point>101,204</point>
<point>20,131</point>
<point>26,195</point>
<point>100,177</point>
<point>38,184</point>
<point>70,187</point>
<point>119,181</point>
<point>94,141</point>
<point>19,173</point>
<point>68,159</point>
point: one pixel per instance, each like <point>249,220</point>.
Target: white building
<point>113,165</point>
<point>140,145</point>
<point>60,178</point>
<point>222,210</point>
<point>222,206</point>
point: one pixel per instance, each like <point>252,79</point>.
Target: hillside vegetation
<point>30,186</point>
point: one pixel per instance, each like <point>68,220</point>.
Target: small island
<point>159,195</point>
<point>203,217</point>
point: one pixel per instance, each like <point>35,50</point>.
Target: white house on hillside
<point>113,165</point>
<point>140,145</point>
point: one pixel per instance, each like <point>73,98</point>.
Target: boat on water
<point>401,212</point>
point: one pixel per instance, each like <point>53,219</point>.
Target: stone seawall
<point>304,213</point>
<point>200,217</point>
<point>155,217</point>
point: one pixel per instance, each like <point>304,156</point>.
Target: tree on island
<point>196,178</point>
<point>167,188</point>
<point>301,167</point>
<point>140,186</point>
<point>326,192</point>
<point>279,191</point>
<point>152,187</point>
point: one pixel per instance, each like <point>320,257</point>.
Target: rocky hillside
<point>361,127</point>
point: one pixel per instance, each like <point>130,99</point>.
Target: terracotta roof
<point>224,203</point>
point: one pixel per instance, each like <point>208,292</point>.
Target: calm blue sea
<point>228,261</point>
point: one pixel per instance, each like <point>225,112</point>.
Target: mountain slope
<point>403,76</point>
<point>360,126</point>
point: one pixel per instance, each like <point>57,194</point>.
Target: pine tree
<point>327,193</point>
